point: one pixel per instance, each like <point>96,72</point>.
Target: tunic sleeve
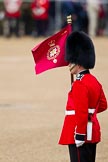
<point>102,102</point>
<point>80,98</point>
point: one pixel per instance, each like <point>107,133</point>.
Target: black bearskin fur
<point>80,50</point>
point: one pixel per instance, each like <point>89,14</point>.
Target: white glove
<point>79,138</point>
<point>79,143</point>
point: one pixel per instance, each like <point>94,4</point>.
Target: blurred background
<point>38,18</point>
<point>32,106</point>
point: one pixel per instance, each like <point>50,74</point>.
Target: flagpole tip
<point>69,19</point>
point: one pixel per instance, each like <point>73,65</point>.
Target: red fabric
<point>50,53</point>
<point>40,9</point>
<point>85,94</point>
<point>101,12</point>
<point>12,8</point>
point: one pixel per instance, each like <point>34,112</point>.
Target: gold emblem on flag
<point>53,52</point>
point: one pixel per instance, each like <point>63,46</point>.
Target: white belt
<point>72,112</point>
<point>91,111</point>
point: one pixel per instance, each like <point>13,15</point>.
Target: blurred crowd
<point>44,17</point>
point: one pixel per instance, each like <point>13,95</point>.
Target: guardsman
<point>13,14</point>
<point>81,129</point>
<point>40,13</point>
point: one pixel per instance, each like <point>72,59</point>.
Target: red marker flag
<point>50,53</point>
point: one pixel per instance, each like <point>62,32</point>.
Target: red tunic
<point>13,8</point>
<point>86,93</point>
<point>40,9</point>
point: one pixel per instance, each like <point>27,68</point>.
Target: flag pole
<point>69,21</point>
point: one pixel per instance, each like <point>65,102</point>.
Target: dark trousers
<point>85,153</point>
<point>41,27</point>
<point>13,24</point>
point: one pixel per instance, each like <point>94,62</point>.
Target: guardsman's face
<point>73,68</point>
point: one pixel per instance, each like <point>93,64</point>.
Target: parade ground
<point>32,106</point>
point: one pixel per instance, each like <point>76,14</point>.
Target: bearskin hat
<point>80,50</point>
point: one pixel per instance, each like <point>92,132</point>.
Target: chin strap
<point>72,78</point>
